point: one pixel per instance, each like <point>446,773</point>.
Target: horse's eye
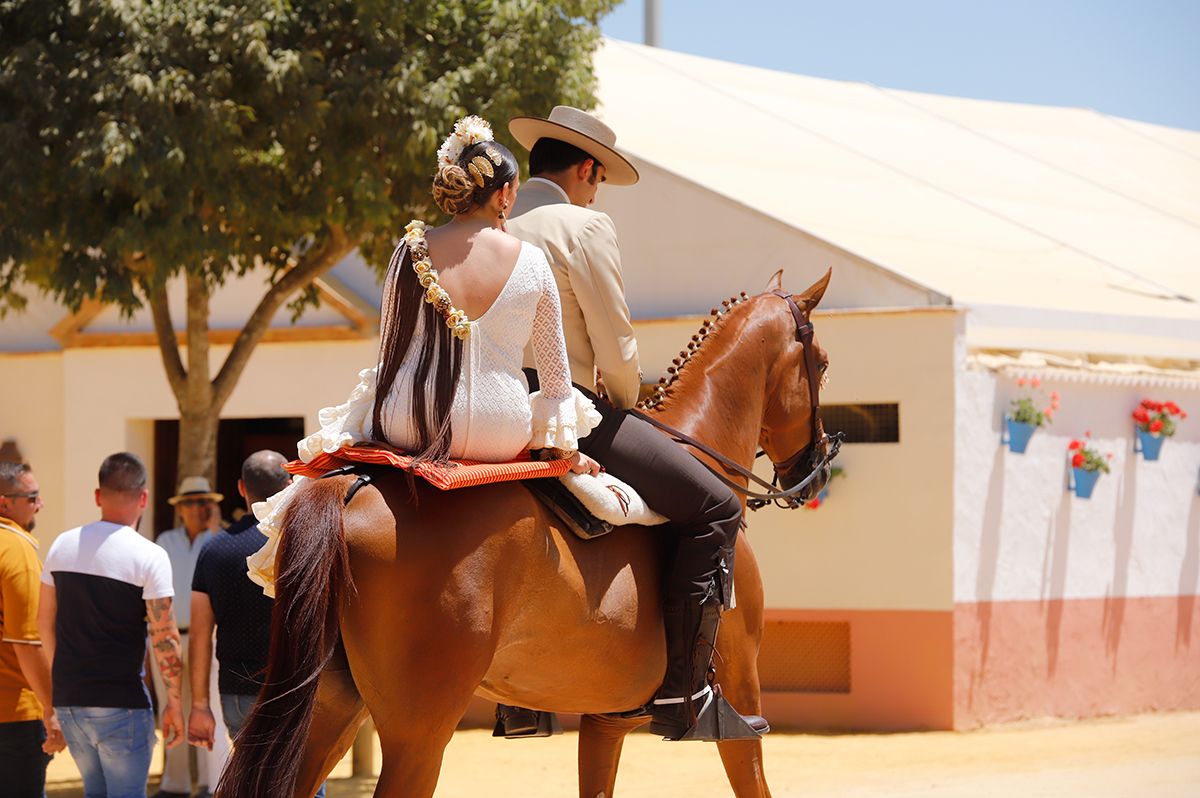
<point>824,367</point>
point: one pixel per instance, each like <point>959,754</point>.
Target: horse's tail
<point>313,576</point>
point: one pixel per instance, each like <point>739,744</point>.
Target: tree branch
<point>336,246</point>
<point>168,345</point>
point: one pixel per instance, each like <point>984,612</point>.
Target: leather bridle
<point>816,457</point>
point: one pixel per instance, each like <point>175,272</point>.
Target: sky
<point>1138,59</point>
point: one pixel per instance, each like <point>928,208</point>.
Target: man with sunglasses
<point>29,729</point>
<point>196,503</point>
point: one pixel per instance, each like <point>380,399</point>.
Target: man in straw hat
<point>570,154</point>
<point>196,503</point>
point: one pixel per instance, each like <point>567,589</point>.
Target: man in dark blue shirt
<point>222,595</point>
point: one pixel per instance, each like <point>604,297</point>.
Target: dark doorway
<point>237,439</point>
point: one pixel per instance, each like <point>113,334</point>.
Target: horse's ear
<point>812,295</point>
<point>776,282</point>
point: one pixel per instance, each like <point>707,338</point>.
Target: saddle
<point>581,515</point>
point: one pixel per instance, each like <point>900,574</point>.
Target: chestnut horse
<point>407,601</point>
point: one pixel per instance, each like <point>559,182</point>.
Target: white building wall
<point>81,405</point>
<point>1018,533</point>
<point>883,539</point>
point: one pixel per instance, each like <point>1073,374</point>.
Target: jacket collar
<point>536,192</point>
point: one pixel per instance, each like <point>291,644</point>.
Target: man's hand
<point>202,727</point>
<point>172,724</point>
<point>55,741</point>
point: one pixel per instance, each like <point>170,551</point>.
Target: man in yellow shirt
<point>28,729</point>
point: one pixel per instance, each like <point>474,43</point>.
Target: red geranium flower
<point>1077,460</point>
<point>1156,425</point>
<point>1149,404</point>
<point>1141,416</point>
<point>1171,408</point>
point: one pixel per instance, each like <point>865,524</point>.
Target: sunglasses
<point>194,502</point>
<point>32,497</point>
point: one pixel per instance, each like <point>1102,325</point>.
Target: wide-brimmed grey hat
<point>583,131</point>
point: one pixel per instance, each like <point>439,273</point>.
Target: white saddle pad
<point>610,499</point>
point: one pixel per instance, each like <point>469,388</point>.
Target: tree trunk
<point>199,415</point>
<point>201,396</point>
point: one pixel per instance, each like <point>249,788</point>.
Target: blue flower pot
<point>1148,444</point>
<point>1019,434</point>
<point>1084,482</point>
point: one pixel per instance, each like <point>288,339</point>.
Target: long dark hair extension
<point>440,357</point>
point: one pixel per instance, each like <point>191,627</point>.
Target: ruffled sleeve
<point>560,423</point>
<point>561,414</point>
<point>345,424</point>
<point>260,566</point>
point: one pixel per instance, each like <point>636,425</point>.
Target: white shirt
<point>552,185</point>
<point>183,553</point>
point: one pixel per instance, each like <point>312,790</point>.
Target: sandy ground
<point>1147,756</point>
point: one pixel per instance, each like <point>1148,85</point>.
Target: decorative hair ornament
<point>467,131</point>
<point>456,320</point>
<point>481,170</point>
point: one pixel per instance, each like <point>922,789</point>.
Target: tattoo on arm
<point>164,641</point>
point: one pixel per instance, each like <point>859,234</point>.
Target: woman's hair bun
<point>453,189</point>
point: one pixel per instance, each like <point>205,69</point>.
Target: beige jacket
<point>581,245</point>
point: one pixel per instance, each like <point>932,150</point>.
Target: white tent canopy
<point>1058,220</point>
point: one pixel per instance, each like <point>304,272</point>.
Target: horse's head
<point>792,434</point>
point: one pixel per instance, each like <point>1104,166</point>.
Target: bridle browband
<point>789,497</point>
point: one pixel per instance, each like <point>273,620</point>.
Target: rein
<point>755,500</point>
<point>787,498</point>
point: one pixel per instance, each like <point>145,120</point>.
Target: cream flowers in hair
<point>435,295</point>
<point>467,131</point>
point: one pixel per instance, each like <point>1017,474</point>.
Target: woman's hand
<point>582,464</point>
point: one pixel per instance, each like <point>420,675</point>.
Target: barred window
<point>805,657</point>
<point>866,423</point>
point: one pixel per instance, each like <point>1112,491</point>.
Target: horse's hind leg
<point>337,715</point>
<point>600,740</point>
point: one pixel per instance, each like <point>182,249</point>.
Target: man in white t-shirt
<point>100,583</point>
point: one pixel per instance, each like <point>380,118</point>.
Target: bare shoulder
<point>502,243</point>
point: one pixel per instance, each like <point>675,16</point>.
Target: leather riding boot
<point>687,706</point>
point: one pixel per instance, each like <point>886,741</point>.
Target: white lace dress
<point>493,418</point>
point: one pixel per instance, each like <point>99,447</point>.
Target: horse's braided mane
<point>663,390</point>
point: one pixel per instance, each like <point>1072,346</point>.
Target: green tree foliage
<point>142,139</point>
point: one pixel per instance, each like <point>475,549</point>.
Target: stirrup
<point>526,723</point>
<point>716,720</point>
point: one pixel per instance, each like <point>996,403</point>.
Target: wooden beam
<point>218,337</point>
<point>337,295</point>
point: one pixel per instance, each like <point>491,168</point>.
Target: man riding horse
<point>570,154</point>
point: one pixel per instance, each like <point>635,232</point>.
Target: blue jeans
<point>236,708</point>
<point>111,747</point>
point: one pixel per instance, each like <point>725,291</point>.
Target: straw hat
<point>195,488</point>
<point>582,130</point>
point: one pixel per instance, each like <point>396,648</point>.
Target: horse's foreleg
<point>600,741</point>
<point>338,713</point>
<point>737,672</point>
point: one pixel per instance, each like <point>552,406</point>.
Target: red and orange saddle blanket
<point>459,474</point>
